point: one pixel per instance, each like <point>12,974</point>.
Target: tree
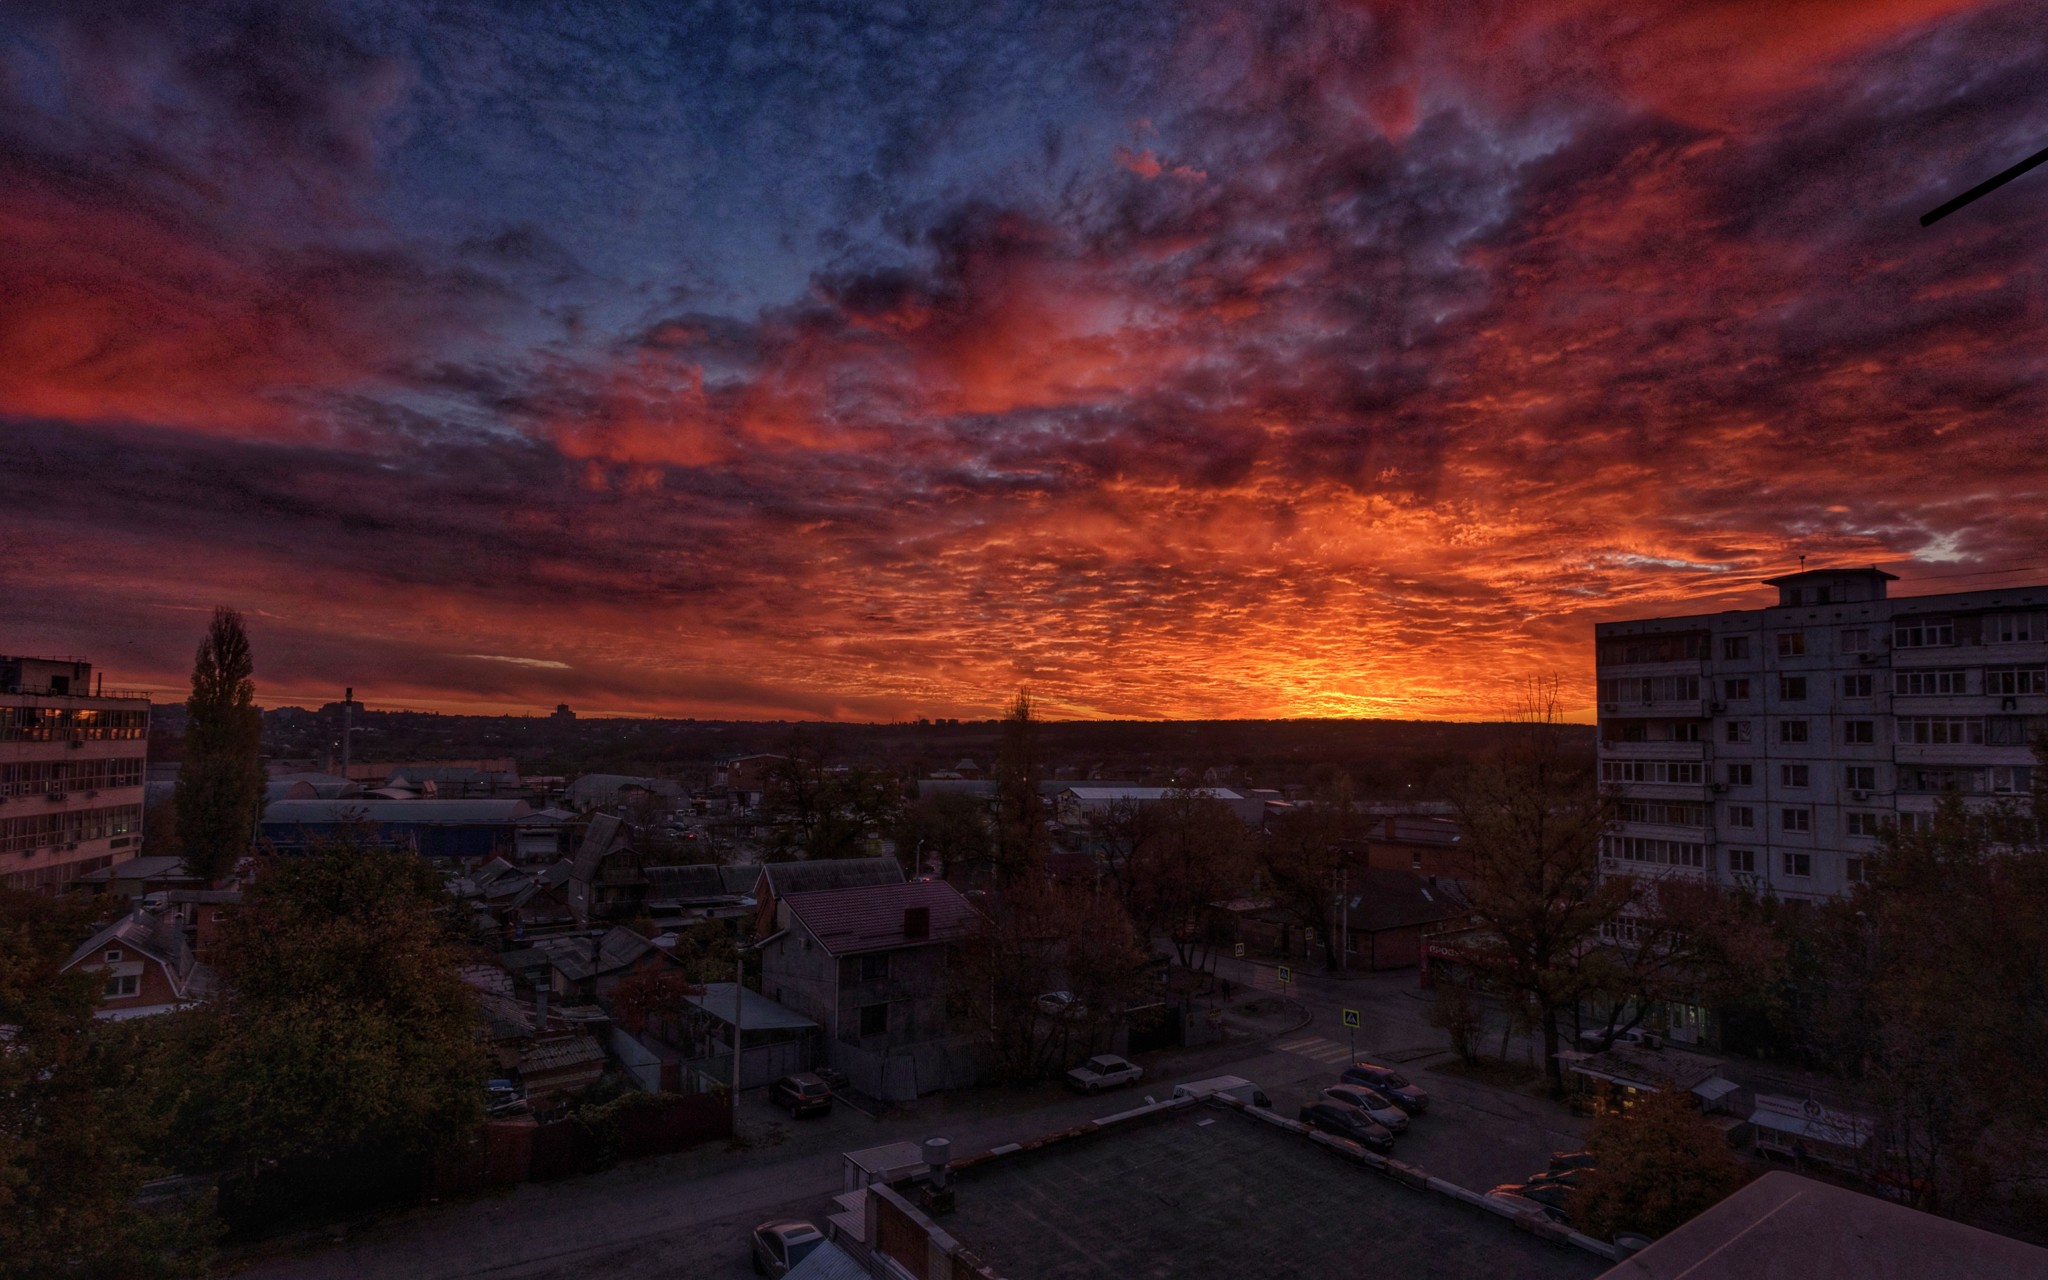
<point>1531,822</point>
<point>949,830</point>
<point>346,1037</point>
<point>1302,856</point>
<point>1658,1166</point>
<point>77,1133</point>
<point>1458,1015</point>
<point>220,782</point>
<point>1931,998</point>
<point>1045,938</point>
<point>1192,852</point>
<point>1019,845</point>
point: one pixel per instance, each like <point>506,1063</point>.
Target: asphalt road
<point>688,1216</point>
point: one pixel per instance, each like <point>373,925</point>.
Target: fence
<point>908,1072</point>
<point>637,1125</point>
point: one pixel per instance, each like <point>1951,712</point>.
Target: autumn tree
<point>1681,940</point>
<point>345,1038</point>
<point>1019,844</point>
<point>219,794</point>
<point>78,1136</point>
<point>1303,856</point>
<point>1043,938</point>
<point>1932,1002</point>
<point>1531,820</point>
<point>1192,852</point>
<point>1657,1167</point>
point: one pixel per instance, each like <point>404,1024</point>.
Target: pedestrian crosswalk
<point>1316,1047</point>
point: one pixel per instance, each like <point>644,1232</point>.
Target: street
<point>688,1215</point>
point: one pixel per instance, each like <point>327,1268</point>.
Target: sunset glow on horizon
<point>1189,361</point>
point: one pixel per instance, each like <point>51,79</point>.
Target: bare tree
<point>1532,819</point>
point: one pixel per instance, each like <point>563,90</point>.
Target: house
<point>605,880</point>
<point>1391,912</point>
<point>870,965</point>
<point>1426,845</point>
<point>778,880</point>
<point>1079,805</point>
<point>592,965</point>
<point>146,964</point>
<point>614,790</point>
<point>700,891</point>
<point>138,877</point>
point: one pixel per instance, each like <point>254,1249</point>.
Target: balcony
<point>1653,750</point>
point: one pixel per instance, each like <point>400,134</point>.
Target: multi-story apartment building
<point>1768,748</point>
<point>71,773</point>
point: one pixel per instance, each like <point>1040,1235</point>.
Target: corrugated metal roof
<point>785,878</point>
<point>828,1262</point>
<point>757,1012</point>
<point>396,812</point>
<point>870,918</point>
<point>1104,795</point>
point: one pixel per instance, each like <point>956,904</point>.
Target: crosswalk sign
<point>1351,1018</point>
<point>1238,951</point>
<point>1286,974</point>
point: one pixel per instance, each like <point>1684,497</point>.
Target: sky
<point>1190,360</point>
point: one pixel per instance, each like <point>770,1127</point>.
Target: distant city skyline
<point>1172,361</point>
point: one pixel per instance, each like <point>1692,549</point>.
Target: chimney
<point>936,1153</point>
<point>917,922</point>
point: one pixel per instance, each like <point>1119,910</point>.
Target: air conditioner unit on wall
<point>1859,795</point>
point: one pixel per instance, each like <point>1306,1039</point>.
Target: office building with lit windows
<point>1769,748</point>
<point>71,773</point>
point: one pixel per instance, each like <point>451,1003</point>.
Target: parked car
<point>1228,1086</point>
<point>501,1098</point>
<point>1572,1160</point>
<point>1343,1120</point>
<point>1548,1194</point>
<point>778,1246</point>
<point>802,1093</point>
<point>1557,1177</point>
<point>1104,1071</point>
<point>1389,1083</point>
<point>1372,1103</point>
<point>1061,1004</point>
<point>1510,1195</point>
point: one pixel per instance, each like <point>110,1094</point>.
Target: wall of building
<point>71,775</point>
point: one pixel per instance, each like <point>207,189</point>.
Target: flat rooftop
<point>1207,1191</point>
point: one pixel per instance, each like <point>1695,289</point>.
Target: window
<point>1795,775</point>
<point>1916,821</point>
<point>2014,682</point>
<point>1860,777</point>
<point>1685,731</point>
<point>1795,820</point>
<point>2013,628</point>
<point>1791,644</point>
<point>1792,688</point>
<point>1942,730</point>
<point>1857,686</point>
<point>126,984</point>
<point>1685,648</point>
<point>1798,864</point>
<point>1741,775</point>
<point>1859,732</point>
<point>2011,779</point>
<point>1733,689</point>
<point>1923,633</point>
<point>1791,730</point>
<point>113,956</point>
<point>1738,731</point>
<point>1741,815</point>
<point>874,1019</point>
<point>1677,853</point>
<point>1733,648</point>
<point>1929,682</point>
<point>1856,640</point>
<point>1855,870</point>
<point>1415,860</point>
<point>1742,861</point>
<point>1865,824</point>
<point>1689,773</point>
<point>874,968</point>
<point>1667,812</point>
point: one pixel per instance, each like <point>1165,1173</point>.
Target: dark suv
<point>1390,1084</point>
<point>1346,1121</point>
<point>801,1093</point>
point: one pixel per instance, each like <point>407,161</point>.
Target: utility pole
<point>739,990</point>
<point>348,726</point>
<point>1340,880</point>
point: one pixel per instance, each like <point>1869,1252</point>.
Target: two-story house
<point>870,965</point>
<point>146,963</point>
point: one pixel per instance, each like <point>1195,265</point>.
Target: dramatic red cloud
<point>1399,346</point>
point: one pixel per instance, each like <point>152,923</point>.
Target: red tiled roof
<point>871,917</point>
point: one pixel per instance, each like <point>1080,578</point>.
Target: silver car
<point>778,1246</point>
<point>1370,1102</point>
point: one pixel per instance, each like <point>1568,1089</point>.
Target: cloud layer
<point>1285,359</point>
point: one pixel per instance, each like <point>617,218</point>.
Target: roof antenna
<point>1802,564</point>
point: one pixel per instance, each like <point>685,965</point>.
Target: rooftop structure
<point>849,922</point>
<point>1770,748</point>
<point>1785,1227</point>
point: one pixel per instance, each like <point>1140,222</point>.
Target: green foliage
<point>77,1130</point>
<point>220,782</point>
<point>346,1030</point>
<point>1660,1166</point>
